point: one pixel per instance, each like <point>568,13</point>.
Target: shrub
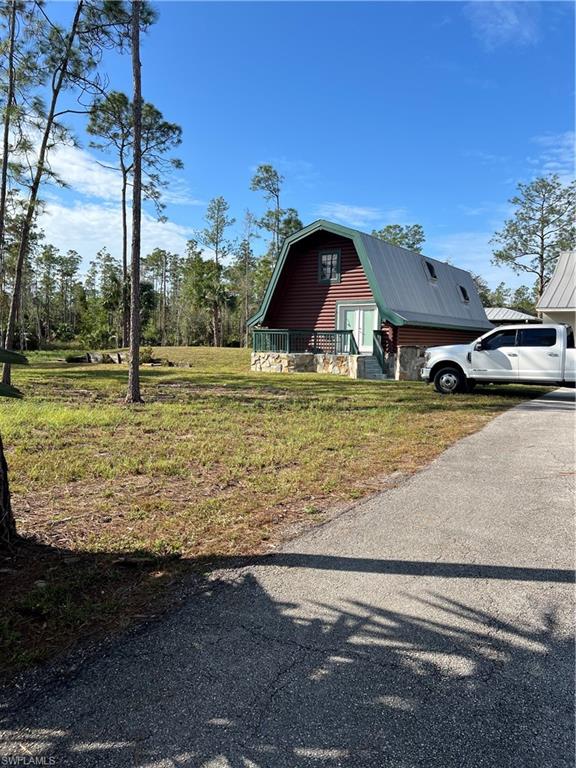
<point>146,355</point>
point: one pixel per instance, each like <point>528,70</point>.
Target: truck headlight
<point>427,356</point>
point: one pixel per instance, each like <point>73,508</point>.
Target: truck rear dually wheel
<point>448,380</point>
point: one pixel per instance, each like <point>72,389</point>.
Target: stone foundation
<point>358,366</point>
<point>404,365</point>
<point>408,362</point>
<point>304,362</point>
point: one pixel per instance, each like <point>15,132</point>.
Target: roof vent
<point>464,293</point>
<point>431,270</point>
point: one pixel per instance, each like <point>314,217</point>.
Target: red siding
<point>300,301</point>
<point>411,335</point>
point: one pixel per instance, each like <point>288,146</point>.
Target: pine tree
<point>543,225</point>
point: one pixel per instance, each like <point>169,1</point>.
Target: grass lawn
<point>116,503</point>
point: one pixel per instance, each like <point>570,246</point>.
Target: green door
<point>368,323</point>
<point>362,320</point>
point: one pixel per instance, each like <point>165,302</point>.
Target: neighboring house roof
<point>503,314</point>
<point>400,282</point>
<point>560,293</point>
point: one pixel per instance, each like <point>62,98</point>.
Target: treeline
<point>204,296</point>
<point>183,299</point>
<point>522,299</point>
<point>48,297</point>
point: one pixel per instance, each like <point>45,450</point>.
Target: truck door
<point>540,354</point>
<point>498,357</point>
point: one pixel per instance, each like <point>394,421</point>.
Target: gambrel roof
<point>560,293</point>
<point>407,286</point>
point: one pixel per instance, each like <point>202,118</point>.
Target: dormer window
<point>431,270</point>
<point>464,293</point>
<point>329,266</point>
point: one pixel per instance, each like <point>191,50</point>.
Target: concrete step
<point>372,370</point>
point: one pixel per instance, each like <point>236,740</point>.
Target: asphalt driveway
<point>430,626</point>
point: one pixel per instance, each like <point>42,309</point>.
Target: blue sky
<point>375,113</point>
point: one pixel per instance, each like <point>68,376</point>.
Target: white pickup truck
<point>512,354</point>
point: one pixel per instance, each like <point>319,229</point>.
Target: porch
<point>289,350</point>
<point>304,341</point>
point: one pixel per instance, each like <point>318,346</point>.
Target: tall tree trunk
<point>164,302</point>
<point>216,324</point>
<point>6,136</point>
<point>125,290</point>
<point>32,200</point>
<point>133,394</point>
<point>247,297</point>
<point>62,300</point>
<point>23,344</point>
<point>277,233</point>
<point>38,323</point>
<point>7,523</point>
<point>47,322</point>
<point>542,255</point>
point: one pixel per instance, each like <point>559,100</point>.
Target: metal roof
<point>408,289</point>
<point>560,293</point>
<point>500,314</point>
<point>402,286</point>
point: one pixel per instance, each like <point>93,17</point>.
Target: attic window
<point>329,266</point>
<point>431,270</point>
<point>464,293</point>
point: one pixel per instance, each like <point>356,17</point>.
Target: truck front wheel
<point>449,380</point>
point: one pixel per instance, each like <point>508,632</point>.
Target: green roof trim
<point>449,326</point>
<point>335,229</point>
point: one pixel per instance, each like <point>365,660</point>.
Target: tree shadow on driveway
<point>237,679</point>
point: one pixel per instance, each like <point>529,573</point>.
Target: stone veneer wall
<point>405,364</point>
<point>304,362</point>
<point>408,362</point>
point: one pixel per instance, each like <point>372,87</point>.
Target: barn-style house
<point>342,301</point>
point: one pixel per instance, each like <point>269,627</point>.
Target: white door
<point>539,354</point>
<point>498,358</point>
<point>362,320</point>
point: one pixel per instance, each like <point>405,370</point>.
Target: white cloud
<point>361,216</point>
<point>556,155</point>
<point>81,172</point>
<point>178,193</point>
<point>497,24</point>
<point>88,174</point>
<point>87,227</point>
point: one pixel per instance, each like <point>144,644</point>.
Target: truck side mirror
<point>479,346</point>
